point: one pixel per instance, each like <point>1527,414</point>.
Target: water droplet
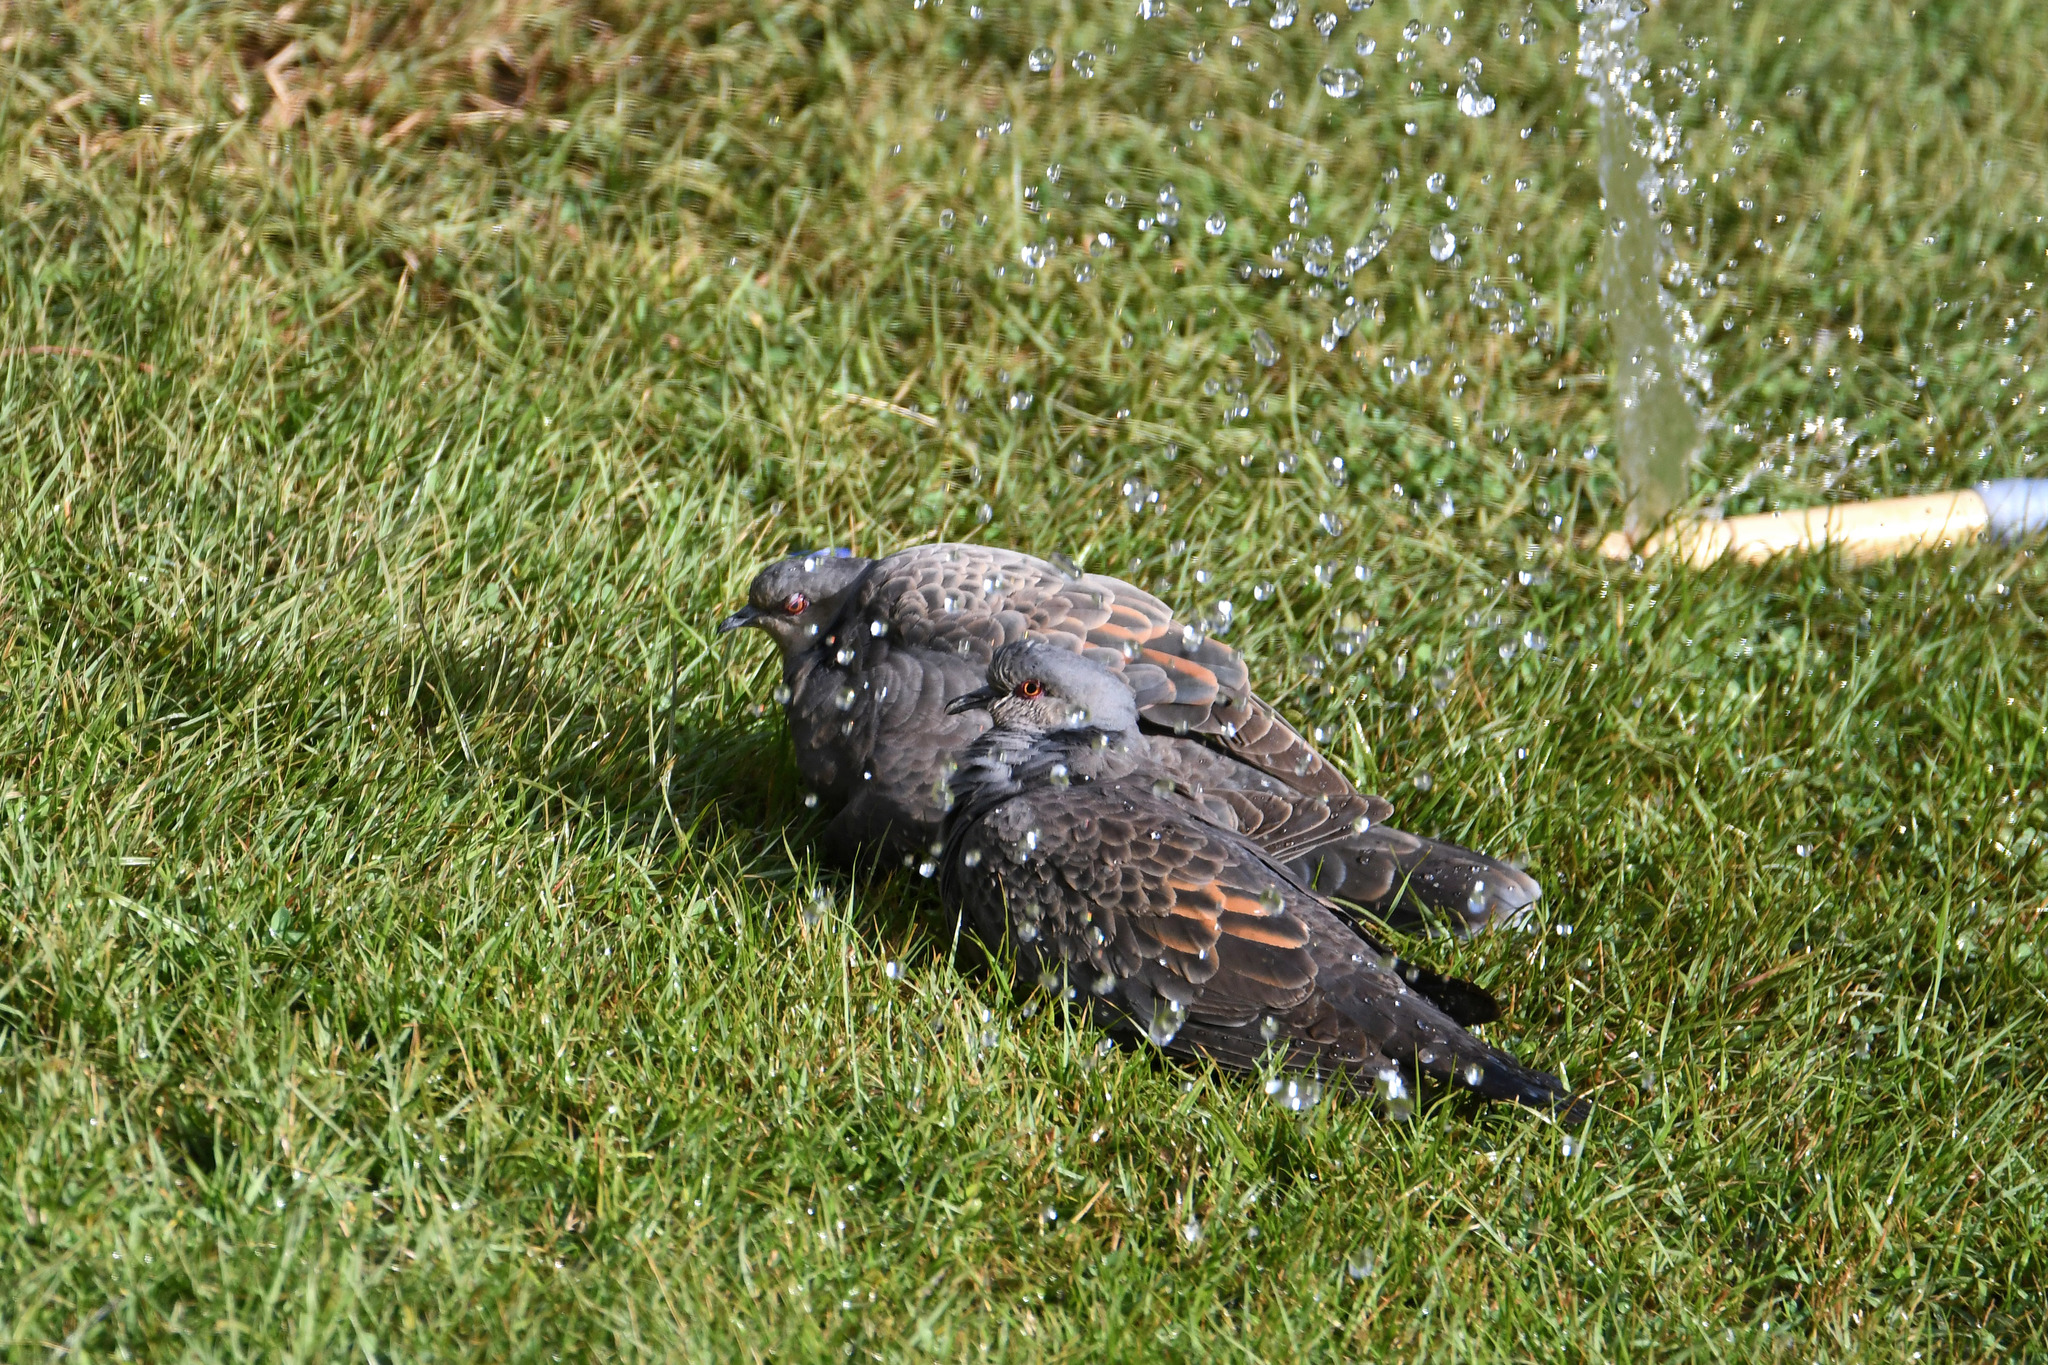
<point>1191,1231</point>
<point>1423,781</point>
<point>782,694</point>
<point>811,800</point>
<point>1365,47</point>
<point>1167,1017</point>
<point>1058,774</point>
<point>1084,65</point>
<point>971,858</point>
<point>1297,210</point>
<point>1296,1093</point>
<point>1341,82</point>
<point>893,970</point>
<point>878,627</point>
<point>1263,349</point>
<point>1041,59</point>
<point>1361,824</point>
<point>1276,100</point>
<point>1329,523</point>
<point>845,698</point>
<point>1151,9</point>
<point>1269,1028</point>
<point>1571,1146</point>
<point>844,655</point>
<point>1474,1074</point>
<point>1169,205</point>
<point>1363,1266</point>
<point>1116,199</point>
<point>1284,14</point>
<point>1048,1214</point>
<point>1442,243</point>
<point>945,219</point>
<point>1472,102</point>
<point>1215,224</point>
<point>1036,254</point>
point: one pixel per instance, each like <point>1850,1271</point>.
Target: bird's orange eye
<point>1029,688</point>
<point>795,603</point>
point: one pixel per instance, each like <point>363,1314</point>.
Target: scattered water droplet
<point>782,694</point>
<point>1215,223</point>
<point>1284,14</point>
<point>1296,1093</point>
<point>1041,59</point>
<point>1443,244</point>
<point>1472,102</point>
<point>1263,349</point>
<point>1269,1028</point>
<point>1341,82</point>
<point>1084,64</point>
<point>1191,1231</point>
<point>1423,781</point>
<point>1362,1266</point>
<point>893,970</point>
<point>1167,1017</point>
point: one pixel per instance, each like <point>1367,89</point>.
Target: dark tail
<point>1409,882</point>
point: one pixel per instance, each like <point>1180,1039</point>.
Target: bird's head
<point>1037,688</point>
<point>794,598</point>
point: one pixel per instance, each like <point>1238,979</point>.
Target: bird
<point>1066,847</point>
<point>872,648</point>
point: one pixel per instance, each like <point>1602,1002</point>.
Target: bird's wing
<point>1126,897</point>
<point>1138,902</point>
<point>973,599</point>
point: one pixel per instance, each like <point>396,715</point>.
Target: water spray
<point>1656,365</point>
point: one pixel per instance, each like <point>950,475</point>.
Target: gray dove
<point>1065,844</point>
<point>873,648</point>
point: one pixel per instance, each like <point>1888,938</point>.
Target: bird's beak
<point>745,616</point>
<point>976,700</point>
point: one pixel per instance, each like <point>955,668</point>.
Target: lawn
<point>413,948</point>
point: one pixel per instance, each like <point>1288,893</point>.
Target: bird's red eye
<point>795,603</point>
<point>1029,688</point>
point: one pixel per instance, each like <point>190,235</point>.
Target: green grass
<point>412,946</point>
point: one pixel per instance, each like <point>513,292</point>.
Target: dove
<point>1065,847</point>
<point>873,648</point>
